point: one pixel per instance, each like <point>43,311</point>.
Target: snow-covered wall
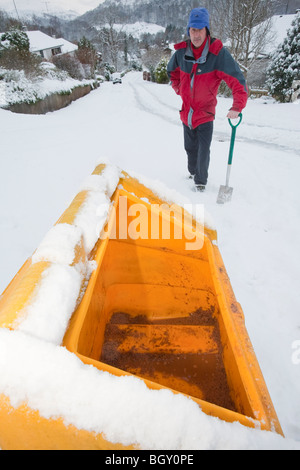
<point>52,102</point>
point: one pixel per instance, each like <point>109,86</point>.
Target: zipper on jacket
<point>191,111</point>
<point>197,62</point>
<point>190,118</point>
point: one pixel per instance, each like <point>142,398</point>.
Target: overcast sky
<point>80,6</point>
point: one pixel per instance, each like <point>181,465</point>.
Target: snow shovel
<point>225,192</point>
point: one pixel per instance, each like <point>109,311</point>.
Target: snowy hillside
<point>63,9</point>
<point>137,29</point>
<point>126,3</point>
<point>280,25</point>
<point>135,126</point>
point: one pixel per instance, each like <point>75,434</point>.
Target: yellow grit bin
<point>159,306</point>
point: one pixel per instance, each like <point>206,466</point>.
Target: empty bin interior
<point>154,313</point>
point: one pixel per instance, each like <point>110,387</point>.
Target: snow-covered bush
<point>17,87</point>
<point>108,70</point>
<point>82,65</point>
<point>15,53</point>
<point>161,75</point>
<point>51,72</point>
<point>71,65</point>
<point>284,69</point>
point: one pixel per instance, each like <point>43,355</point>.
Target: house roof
<point>40,41</point>
<point>67,46</point>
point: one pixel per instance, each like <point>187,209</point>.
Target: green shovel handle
<point>239,122</point>
<point>233,132</point>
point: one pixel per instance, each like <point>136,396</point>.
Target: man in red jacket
<point>196,71</point>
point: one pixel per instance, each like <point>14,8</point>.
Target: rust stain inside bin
<point>182,353</point>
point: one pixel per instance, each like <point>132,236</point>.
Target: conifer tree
<point>16,40</point>
<point>161,75</point>
<point>284,69</point>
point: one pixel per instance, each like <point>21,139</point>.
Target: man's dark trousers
<point>197,146</point>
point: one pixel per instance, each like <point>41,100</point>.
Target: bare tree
<point>112,40</point>
<point>246,27</point>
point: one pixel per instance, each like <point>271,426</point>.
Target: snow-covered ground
<point>136,126</point>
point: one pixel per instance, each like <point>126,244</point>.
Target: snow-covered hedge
<point>16,87</point>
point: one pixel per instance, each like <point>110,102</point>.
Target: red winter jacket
<point>198,81</point>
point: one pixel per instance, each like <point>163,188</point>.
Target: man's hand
<point>233,114</point>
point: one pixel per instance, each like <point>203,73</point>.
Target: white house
<point>47,47</point>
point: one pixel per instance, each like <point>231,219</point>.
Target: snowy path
<point>136,126</point>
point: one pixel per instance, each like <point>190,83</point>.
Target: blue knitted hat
<point>199,18</point>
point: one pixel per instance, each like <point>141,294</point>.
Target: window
<point>56,50</point>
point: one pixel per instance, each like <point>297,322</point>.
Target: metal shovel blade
<point>225,194</point>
